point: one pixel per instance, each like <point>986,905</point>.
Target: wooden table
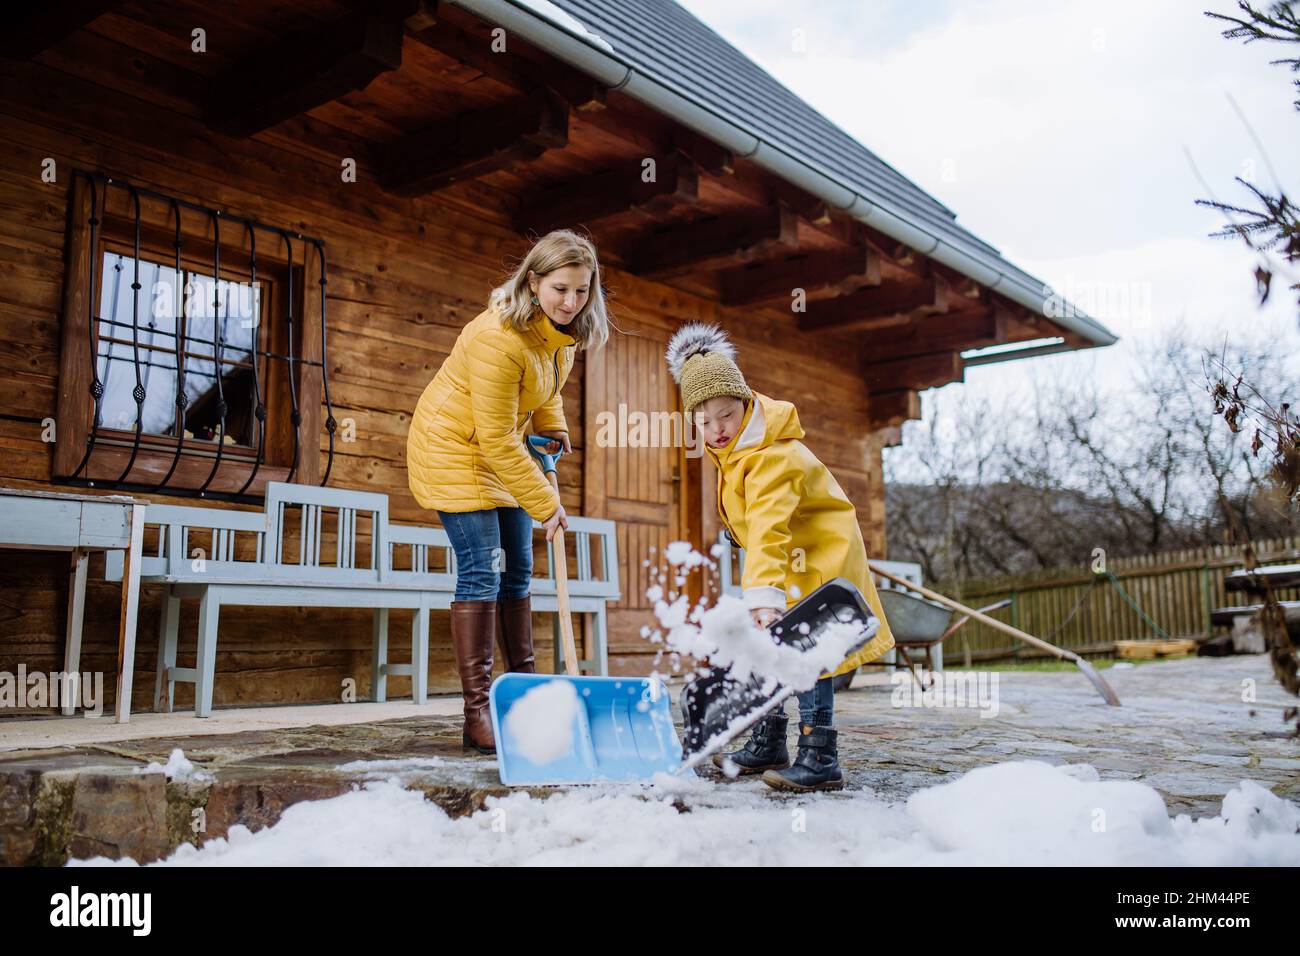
<point>36,520</point>
<point>1275,576</point>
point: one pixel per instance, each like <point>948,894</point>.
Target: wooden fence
<point>1085,612</point>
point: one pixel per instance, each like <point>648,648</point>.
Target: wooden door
<point>633,471</point>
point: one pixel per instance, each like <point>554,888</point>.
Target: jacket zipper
<point>555,364</point>
<point>722,513</point>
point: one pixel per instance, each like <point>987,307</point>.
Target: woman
<point>466,456</point>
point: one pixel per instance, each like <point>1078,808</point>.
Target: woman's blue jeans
<point>817,706</point>
<point>494,552</point>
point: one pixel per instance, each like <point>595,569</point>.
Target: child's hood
<point>768,420</point>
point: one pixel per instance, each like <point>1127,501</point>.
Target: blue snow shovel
<point>610,729</point>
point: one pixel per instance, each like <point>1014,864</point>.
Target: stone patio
<point>1184,729</point>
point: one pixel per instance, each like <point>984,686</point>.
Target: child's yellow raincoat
<point>798,528</point>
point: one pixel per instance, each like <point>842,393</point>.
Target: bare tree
<point>1039,481</point>
<point>1270,229</point>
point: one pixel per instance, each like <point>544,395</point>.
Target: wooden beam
<point>833,273</point>
<point>303,71</point>
<point>917,372</point>
<point>709,156</point>
<point>33,27</point>
<point>890,437</point>
<point>715,243</point>
<point>902,253</point>
<point>519,73</point>
<point>415,14</point>
<point>476,144</point>
<point>805,205</point>
<point>891,409</point>
<point>593,198</point>
<point>893,303</point>
<point>961,331</point>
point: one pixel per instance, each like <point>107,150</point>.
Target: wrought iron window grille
<point>137,345</point>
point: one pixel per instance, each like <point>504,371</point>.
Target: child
<point>797,527</point>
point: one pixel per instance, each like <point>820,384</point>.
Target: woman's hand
<point>555,522</point>
<point>764,616</point>
<point>557,438</point>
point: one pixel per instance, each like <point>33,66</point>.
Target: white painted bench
<point>282,564</point>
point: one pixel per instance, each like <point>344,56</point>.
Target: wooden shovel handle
<point>561,560</point>
<point>971,612</point>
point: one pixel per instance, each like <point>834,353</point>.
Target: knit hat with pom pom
<point>703,363</point>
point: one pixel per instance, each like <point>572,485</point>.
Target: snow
<point>178,767</point>
<point>562,19</point>
<point>681,552</point>
<point>1025,813</point>
<point>727,636</point>
<point>384,769</point>
<point>541,721</point>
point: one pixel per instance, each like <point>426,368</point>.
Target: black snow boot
<point>816,766</point>
<point>766,748</point>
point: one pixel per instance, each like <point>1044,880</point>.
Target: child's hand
<point>764,616</point>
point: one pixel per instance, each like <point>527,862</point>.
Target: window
<point>209,325</point>
<point>192,346</point>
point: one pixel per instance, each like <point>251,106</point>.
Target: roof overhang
<point>584,53</point>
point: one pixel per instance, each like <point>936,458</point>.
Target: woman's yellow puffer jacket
<point>798,528</point>
<point>465,448</point>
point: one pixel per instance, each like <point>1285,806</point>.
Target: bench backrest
<point>312,502</point>
<point>202,544</point>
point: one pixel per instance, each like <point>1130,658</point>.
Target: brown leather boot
<point>473,632</point>
<point>515,632</point>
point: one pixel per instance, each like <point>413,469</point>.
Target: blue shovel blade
<point>621,732</point>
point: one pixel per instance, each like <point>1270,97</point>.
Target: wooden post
<point>130,607</point>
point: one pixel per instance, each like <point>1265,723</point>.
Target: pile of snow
<point>1025,813</point>
<point>541,722</point>
<point>178,767</point>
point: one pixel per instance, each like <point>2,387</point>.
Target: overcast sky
<point>1059,132</point>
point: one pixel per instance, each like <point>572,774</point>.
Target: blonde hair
<point>513,299</point>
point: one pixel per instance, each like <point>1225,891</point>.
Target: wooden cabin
<point>341,184</point>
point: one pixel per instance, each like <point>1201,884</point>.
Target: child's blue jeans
<point>494,552</point>
<point>816,706</point>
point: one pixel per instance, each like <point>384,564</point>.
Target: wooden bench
<point>283,564</point>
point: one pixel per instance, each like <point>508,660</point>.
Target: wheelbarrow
<point>555,729</point>
<point>919,625</point>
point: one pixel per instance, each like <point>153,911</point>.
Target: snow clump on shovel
<point>541,721</point>
<point>728,637</point>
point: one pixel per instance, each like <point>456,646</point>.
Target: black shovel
<point>718,708</point>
